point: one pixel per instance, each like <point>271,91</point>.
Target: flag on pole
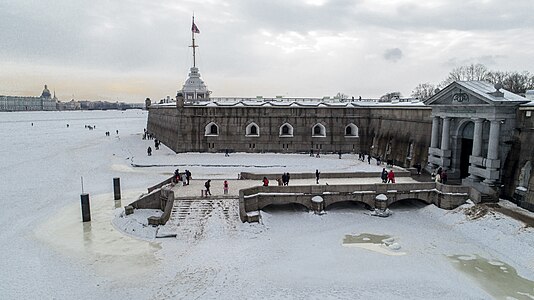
<point>194,28</point>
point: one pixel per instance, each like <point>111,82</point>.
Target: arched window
<point>351,130</point>
<point>252,130</point>
<point>319,130</point>
<point>211,129</point>
<point>286,130</point>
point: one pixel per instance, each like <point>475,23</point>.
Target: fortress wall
<point>521,152</point>
<point>392,130</point>
<point>183,130</point>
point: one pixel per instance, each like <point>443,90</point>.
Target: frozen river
<point>48,253</point>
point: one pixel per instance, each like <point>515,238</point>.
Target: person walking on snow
<point>207,186</point>
<point>444,177</point>
<point>317,174</point>
<point>384,175</point>
<point>391,176</point>
<point>225,187</point>
<point>188,176</point>
<point>265,181</point>
<point>149,151</point>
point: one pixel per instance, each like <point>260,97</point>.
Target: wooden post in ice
<point>86,210</point>
<point>117,188</point>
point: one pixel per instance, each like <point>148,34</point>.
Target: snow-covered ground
<point>48,253</point>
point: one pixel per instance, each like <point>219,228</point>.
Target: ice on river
<point>47,252</point>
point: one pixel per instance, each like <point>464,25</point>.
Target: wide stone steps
<point>190,216</point>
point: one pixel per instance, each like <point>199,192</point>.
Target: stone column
<point>477,137</point>
<point>445,133</point>
<point>493,144</point>
<point>435,132</point>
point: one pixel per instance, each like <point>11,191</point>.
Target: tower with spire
<point>194,89</point>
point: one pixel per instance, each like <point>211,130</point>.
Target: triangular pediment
<point>474,93</point>
<point>455,94</point>
<point>459,97</point>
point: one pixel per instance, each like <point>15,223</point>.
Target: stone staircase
<point>190,216</point>
<point>485,198</point>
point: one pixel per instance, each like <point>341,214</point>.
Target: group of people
<point>363,157</point>
<point>387,177</point>
<point>284,180</point>
<point>156,145</point>
<point>147,135</point>
<point>207,186</point>
<point>440,176</point>
<point>184,177</point>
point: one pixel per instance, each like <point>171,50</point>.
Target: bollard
<point>117,188</point>
<point>202,193</point>
<point>86,210</point>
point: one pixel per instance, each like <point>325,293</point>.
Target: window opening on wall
<point>252,129</point>
<point>318,130</point>
<point>351,130</point>
<point>286,130</point>
<point>211,129</point>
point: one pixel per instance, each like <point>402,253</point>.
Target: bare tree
<point>424,91</point>
<point>390,96</point>
<point>518,83</point>
<point>467,73</point>
<point>341,96</point>
<point>497,76</point>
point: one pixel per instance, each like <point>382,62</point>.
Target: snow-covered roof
<point>301,102</point>
<point>486,90</point>
<point>483,90</point>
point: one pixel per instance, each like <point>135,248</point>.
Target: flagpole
<point>194,46</point>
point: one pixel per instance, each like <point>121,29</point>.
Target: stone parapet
<point>444,196</point>
<point>259,176</point>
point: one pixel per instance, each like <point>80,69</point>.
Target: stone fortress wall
<point>517,179</point>
<point>184,130</point>
<point>399,133</point>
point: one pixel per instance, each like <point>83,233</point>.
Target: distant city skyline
<point>130,50</point>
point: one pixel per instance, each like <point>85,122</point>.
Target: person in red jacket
<point>265,181</point>
<point>391,176</point>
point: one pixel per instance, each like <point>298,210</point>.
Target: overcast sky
<point>130,50</point>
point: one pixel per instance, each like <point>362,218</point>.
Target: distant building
<point>24,103</point>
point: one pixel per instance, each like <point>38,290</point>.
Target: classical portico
<point>472,126</point>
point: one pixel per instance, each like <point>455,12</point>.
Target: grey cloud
<point>393,54</point>
<point>345,15</point>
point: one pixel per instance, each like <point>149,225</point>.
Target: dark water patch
<point>365,238</point>
<point>496,278</point>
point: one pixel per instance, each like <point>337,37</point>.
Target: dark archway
<point>407,204</point>
<point>466,148</point>
<point>348,205</point>
<point>284,208</point>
